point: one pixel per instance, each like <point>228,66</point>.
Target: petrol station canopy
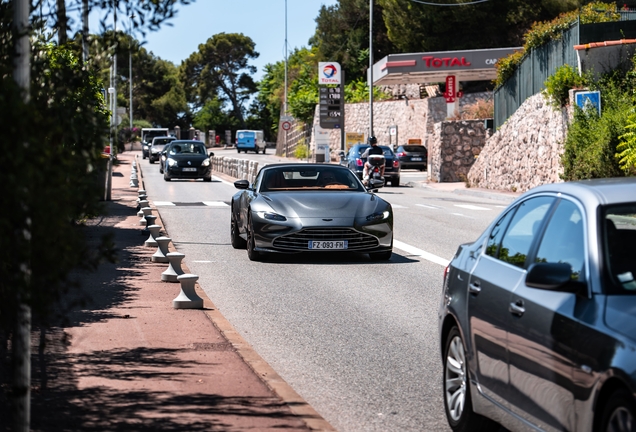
<point>432,67</point>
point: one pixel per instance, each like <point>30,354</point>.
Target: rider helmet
<point>373,140</point>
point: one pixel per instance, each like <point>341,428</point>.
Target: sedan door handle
<point>517,308</point>
<point>474,288</point>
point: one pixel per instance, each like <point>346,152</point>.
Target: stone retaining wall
<point>526,151</point>
<point>453,149</point>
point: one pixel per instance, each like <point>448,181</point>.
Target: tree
<point>416,27</point>
<point>220,70</point>
<point>342,35</point>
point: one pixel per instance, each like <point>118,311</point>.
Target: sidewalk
<point>129,361</point>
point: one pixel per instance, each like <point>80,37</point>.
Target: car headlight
<point>145,147</point>
<point>206,162</point>
<point>271,216</point>
<point>378,216</point>
<point>171,162</point>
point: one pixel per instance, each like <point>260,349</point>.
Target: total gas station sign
<point>329,73</point>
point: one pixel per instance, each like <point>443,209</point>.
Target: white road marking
<point>411,250</point>
<point>164,203</point>
<point>398,206</point>
<point>223,181</point>
<point>202,262</point>
<point>462,215</point>
<point>500,206</point>
<point>428,206</point>
<point>215,204</point>
<point>471,207</point>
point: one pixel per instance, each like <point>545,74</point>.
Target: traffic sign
<point>286,125</point>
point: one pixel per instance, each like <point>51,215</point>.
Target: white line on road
<point>471,207</point>
<point>429,206</point>
<point>462,215</point>
<point>398,206</point>
<point>222,181</point>
<point>411,250</point>
<point>215,204</point>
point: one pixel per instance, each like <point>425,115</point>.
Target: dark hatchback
<point>183,159</point>
<point>538,316</point>
<point>356,164</point>
<point>412,156</point>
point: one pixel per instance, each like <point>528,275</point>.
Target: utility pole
<point>21,348</point>
<point>113,148</point>
<point>85,30</point>
<point>130,81</point>
<point>370,68</point>
<point>285,104</point>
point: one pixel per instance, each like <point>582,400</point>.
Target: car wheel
<point>160,169</point>
<point>238,242</point>
<point>252,254</point>
<point>619,414</point>
<point>165,176</point>
<point>381,256</point>
<point>151,160</point>
<point>238,151</point>
<point>264,150</point>
<point>207,179</point>
<point>457,402</point>
<point>395,182</point>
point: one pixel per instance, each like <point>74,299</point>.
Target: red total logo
<point>437,62</point>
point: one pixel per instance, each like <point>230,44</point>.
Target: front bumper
<point>178,172</point>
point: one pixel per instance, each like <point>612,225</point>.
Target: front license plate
<point>328,244</point>
<point>416,159</point>
<point>190,169</point>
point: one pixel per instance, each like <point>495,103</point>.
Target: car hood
<point>620,314</point>
<point>320,204</point>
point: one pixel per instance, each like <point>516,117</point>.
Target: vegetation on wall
<point>591,148</point>
<point>545,31</point>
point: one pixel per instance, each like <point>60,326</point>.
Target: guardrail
<point>242,169</point>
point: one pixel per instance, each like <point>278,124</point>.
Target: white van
<point>250,140</point>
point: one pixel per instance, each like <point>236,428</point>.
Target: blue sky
<point>261,20</point>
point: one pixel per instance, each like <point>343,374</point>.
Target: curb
<point>257,364</point>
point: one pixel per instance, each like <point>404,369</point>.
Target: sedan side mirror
<point>211,154</point>
<point>553,277</point>
<point>375,184</point>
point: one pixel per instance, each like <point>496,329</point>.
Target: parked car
<point>157,146</point>
<point>356,163</point>
<point>412,156</point>
<point>537,321</point>
<point>186,159</point>
<point>319,208</point>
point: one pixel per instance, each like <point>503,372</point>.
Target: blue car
<point>354,161</point>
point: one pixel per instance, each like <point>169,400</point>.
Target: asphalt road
<point>357,339</point>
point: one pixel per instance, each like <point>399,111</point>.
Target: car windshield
<point>620,247</point>
<point>161,141</point>
<point>187,148</point>
<point>309,179</point>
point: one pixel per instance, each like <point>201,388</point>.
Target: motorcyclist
<point>373,149</point>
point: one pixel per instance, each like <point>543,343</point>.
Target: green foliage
<point>542,32</point>
<point>220,70</point>
<point>592,140</point>
<point>358,91</point>
<point>558,85</point>
<point>626,149</point>
<point>302,150</point>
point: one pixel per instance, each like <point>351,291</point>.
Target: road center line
<point>411,250</point>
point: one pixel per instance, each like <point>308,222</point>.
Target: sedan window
<point>563,241</point>
<point>523,228</point>
<point>620,247</point>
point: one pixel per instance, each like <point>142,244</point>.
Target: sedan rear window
<point>414,149</point>
<point>619,224</point>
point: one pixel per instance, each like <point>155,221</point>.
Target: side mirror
<point>211,154</point>
<point>553,277</point>
<point>242,184</point>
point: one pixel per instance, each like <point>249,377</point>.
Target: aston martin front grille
<point>300,240</point>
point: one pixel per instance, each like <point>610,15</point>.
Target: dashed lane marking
<point>215,204</point>
<point>471,207</point>
<point>428,206</point>
<point>412,250</point>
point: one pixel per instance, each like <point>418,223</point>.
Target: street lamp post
<point>370,68</point>
<point>130,81</point>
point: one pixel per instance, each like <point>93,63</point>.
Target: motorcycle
<point>374,179</point>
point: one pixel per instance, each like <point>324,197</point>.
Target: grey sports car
<point>292,208</point>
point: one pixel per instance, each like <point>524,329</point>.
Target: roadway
<point>357,339</point>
